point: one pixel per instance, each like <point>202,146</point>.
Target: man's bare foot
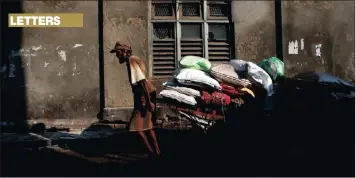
<point>158,152</point>
<point>151,150</point>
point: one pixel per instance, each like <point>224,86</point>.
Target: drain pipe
<point>279,28</point>
<point>100,115</point>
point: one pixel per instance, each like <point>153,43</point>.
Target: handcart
<point>203,117</point>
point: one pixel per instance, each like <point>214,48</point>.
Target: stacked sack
<point>199,83</point>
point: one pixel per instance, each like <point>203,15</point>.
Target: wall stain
<point>53,92</point>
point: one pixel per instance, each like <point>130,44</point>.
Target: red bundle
<point>220,98</point>
<point>206,97</point>
<point>215,98</point>
<point>227,87</point>
<point>229,90</point>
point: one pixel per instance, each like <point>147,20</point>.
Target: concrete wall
<point>52,73</point>
<point>329,23</point>
<point>125,21</point>
<point>342,28</point>
<point>254,29</point>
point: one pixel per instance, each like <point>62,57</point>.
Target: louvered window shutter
<point>164,50</point>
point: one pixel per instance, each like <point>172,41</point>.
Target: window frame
<point>179,5</point>
<point>217,3</point>
<point>153,12</point>
<point>205,19</point>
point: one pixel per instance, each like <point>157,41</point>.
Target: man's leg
<point>155,143</point>
<point>144,138</point>
<point>138,123</point>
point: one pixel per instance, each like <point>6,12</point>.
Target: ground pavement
<point>115,152</point>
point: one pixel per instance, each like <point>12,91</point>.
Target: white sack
<point>184,90</point>
<point>259,77</point>
<point>192,75</point>
<point>239,65</point>
<point>179,97</point>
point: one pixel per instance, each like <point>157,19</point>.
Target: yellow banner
<point>46,20</point>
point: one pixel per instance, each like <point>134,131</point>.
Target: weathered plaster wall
<point>59,65</point>
<point>53,72</point>
<point>254,29</point>
<point>125,21</point>
<point>329,23</point>
<point>342,29</point>
<point>307,20</point>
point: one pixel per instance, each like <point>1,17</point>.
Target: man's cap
<point>120,46</point>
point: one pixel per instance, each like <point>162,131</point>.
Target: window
<point>189,27</point>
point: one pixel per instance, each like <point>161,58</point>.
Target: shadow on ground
<point>311,136</point>
<point>302,139</point>
<point>306,138</point>
<point>224,152</point>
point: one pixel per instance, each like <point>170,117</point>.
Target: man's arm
<point>147,94</point>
